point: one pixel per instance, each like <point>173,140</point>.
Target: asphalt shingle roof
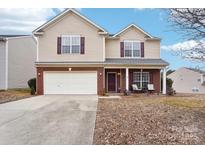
<point>115,61</point>
<point>136,61</point>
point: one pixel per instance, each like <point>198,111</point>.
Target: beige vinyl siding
<point>21,59</point>
<point>132,34</point>
<point>151,48</point>
<point>71,24</point>
<point>112,48</point>
<point>185,80</point>
<point>2,65</point>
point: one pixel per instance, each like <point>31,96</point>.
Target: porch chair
<point>150,88</point>
<point>135,88</point>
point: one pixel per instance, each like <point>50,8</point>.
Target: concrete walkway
<point>49,119</point>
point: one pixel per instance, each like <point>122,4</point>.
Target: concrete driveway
<point>49,119</point>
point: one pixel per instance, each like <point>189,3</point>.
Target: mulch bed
<point>13,95</point>
<point>149,120</point>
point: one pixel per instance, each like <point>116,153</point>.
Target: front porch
<point>117,80</point>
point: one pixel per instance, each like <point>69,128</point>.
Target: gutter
<point>96,63</point>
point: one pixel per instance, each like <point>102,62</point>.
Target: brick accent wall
<point>121,84</point>
<point>40,71</point>
<point>120,79</point>
<point>155,74</point>
<point>100,80</point>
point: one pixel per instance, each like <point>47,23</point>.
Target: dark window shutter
<point>151,77</point>
<point>59,45</point>
<point>142,49</point>
<point>82,45</point>
<point>122,49</point>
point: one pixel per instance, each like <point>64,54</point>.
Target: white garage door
<point>70,82</point>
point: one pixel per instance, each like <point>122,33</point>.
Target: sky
<point>153,21</point>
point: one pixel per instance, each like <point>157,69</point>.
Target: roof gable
<point>196,70</point>
<point>187,69</point>
<point>62,14</point>
<point>39,30</point>
<point>135,26</point>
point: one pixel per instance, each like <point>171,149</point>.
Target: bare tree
<point>191,24</point>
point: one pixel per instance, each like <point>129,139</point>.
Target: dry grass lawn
<point>153,119</point>
<point>14,94</point>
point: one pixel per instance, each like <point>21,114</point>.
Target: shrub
<point>169,83</point>
<point>170,90</point>
<point>127,92</point>
<point>32,85</point>
<point>104,92</point>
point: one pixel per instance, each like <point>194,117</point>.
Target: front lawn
<point>13,94</point>
<point>153,119</point>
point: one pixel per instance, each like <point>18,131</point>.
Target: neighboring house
<point>76,56</point>
<point>188,80</point>
<point>17,61</point>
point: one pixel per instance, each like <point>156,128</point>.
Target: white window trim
<point>137,73</point>
<point>141,77</point>
<point>202,78</point>
<point>132,41</point>
<point>70,44</point>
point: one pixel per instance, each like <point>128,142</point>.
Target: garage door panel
<point>70,83</point>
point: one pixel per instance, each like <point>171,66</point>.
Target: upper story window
<point>132,48</point>
<point>70,44</point>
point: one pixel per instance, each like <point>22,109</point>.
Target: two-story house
<point>77,56</point>
<point>17,58</point>
<point>188,80</point>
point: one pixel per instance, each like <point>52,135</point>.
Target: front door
<point>112,86</point>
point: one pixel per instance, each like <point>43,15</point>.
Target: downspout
<point>6,65</point>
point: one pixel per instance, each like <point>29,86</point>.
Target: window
<point>145,79</point>
<point>203,78</point>
<point>137,79</point>
<point>128,49</point>
<point>70,44</point>
<point>132,49</point>
<point>195,89</point>
<point>141,79</point>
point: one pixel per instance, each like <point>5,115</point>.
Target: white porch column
<point>127,78</point>
<point>164,89</point>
